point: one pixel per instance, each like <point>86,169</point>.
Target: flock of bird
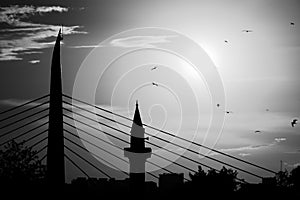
<point>249,31</point>
<point>153,83</point>
<point>293,122</point>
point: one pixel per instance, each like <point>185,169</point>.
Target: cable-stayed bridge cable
<point>31,122</point>
<point>96,155</point>
<point>26,117</point>
<point>150,143</point>
<point>77,166</point>
<point>102,149</point>
<point>25,133</point>
<point>23,111</point>
<point>178,137</point>
<point>122,140</point>
<point>91,164</point>
<point>24,104</point>
<point>238,168</point>
<point>102,141</point>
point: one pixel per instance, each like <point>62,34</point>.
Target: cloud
<point>51,9</point>
<point>31,52</point>
<point>34,61</point>
<point>280,139</point>
<point>141,41</point>
<point>251,147</point>
<point>13,14</point>
<point>20,37</point>
<point>244,148</point>
<point>296,165</point>
<point>293,152</point>
<point>244,154</point>
<point>17,102</point>
<point>291,165</point>
<point>84,46</point>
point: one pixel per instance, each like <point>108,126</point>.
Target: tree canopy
<point>20,164</point>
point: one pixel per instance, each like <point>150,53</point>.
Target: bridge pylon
<point>55,152</point>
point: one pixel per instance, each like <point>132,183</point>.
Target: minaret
<point>137,153</point>
<point>55,151</point>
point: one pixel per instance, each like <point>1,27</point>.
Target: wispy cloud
<point>291,165</point>
<point>296,165</point>
<point>293,152</point>
<point>244,154</point>
<point>250,147</point>
<point>34,61</point>
<point>278,140</point>
<point>243,149</point>
<point>13,14</point>
<point>141,41</point>
<point>51,9</point>
<point>133,41</point>
<point>84,46</point>
<point>23,37</point>
<point>17,102</point>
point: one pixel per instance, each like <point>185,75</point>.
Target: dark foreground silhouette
<point>23,176</point>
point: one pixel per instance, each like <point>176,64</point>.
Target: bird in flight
<point>154,84</point>
<point>247,31</point>
<point>294,122</point>
<point>257,131</point>
<point>292,23</point>
<point>218,105</point>
<point>229,112</point>
<point>226,41</point>
<point>153,68</point>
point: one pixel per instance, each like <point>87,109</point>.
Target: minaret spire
<point>137,117</point>
<point>137,153</point>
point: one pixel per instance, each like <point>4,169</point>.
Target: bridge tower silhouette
<point>137,153</point>
<point>55,152</point>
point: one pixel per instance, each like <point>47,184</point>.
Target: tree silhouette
<point>20,165</point>
<point>295,177</point>
<point>282,178</point>
<point>198,176</point>
<point>224,180</point>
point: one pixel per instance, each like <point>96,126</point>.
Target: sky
<point>252,75</point>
